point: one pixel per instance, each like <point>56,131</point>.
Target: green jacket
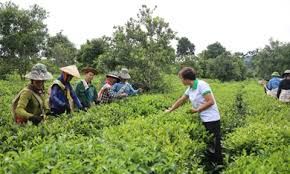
<point>28,105</point>
<point>86,93</point>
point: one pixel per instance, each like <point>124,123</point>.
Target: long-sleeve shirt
<point>86,93</point>
<point>59,97</point>
<point>284,85</point>
<point>274,83</point>
<point>28,105</point>
<point>126,87</point>
<point>105,94</point>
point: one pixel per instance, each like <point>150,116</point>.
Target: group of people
<point>33,103</point>
<point>279,87</point>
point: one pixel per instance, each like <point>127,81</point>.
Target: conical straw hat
<point>72,70</point>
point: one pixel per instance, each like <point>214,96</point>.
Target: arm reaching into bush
<point>177,104</point>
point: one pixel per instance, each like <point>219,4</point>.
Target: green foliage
<point>143,46</point>
<point>276,162</point>
<point>136,136</point>
<point>261,143</point>
<point>22,35</point>
<point>128,136</point>
<point>213,51</point>
<point>90,51</point>
<point>185,47</point>
<point>273,57</point>
<point>60,50</point>
<point>228,67</point>
<point>217,63</point>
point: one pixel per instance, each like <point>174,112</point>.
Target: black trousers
<point>214,152</point>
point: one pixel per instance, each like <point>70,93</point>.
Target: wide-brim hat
<point>286,72</point>
<point>113,75</point>
<point>275,74</point>
<point>71,70</point>
<point>39,72</point>
<point>124,74</point>
<point>89,69</point>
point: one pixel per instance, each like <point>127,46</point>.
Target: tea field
<point>136,136</point>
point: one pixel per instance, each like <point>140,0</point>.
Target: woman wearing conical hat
<point>31,103</point>
<point>62,96</point>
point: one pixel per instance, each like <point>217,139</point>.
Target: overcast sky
<point>240,25</point>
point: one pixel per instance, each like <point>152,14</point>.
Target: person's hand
<point>84,109</point>
<point>123,95</point>
<point>140,90</point>
<point>168,110</point>
<point>97,101</point>
<point>193,110</point>
<point>35,119</point>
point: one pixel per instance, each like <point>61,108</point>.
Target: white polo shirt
<point>195,94</point>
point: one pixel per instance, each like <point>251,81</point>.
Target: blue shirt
<point>274,83</point>
<point>58,98</point>
<point>119,88</point>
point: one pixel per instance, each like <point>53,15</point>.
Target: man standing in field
<point>203,103</point>
<point>85,90</point>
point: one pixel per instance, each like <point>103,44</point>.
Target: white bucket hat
<point>286,72</point>
<point>124,74</point>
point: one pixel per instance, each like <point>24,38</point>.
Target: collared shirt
<point>196,95</point>
<point>105,95</point>
<point>86,93</point>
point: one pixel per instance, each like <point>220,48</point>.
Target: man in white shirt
<point>203,103</point>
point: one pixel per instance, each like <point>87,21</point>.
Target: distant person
<point>124,88</point>
<point>105,94</point>
<point>283,93</point>
<point>85,90</point>
<point>203,103</point>
<point>273,84</point>
<point>31,103</point>
<point>62,96</point>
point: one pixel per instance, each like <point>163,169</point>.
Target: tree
<point>143,46</point>
<point>273,57</point>
<point>185,47</point>
<point>91,50</point>
<point>61,50</point>
<point>228,67</point>
<point>213,51</point>
<point>218,63</point>
<point>22,35</point>
<point>249,62</point>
